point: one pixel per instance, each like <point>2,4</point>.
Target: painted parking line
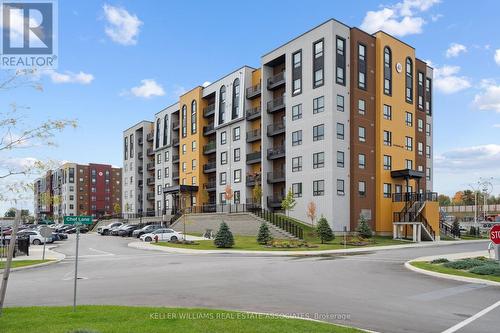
<point>447,292</point>
<point>471,319</point>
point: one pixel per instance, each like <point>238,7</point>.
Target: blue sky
<point>163,48</point>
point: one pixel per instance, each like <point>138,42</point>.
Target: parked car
<point>104,230</point>
<point>128,230</point>
<point>145,230</point>
<point>114,231</point>
<point>72,230</point>
<point>163,234</point>
<point>35,237</point>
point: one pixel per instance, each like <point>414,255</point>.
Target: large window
<point>158,130</point>
<point>318,104</point>
<point>237,154</point>
<point>428,96</point>
<point>184,120</point>
<point>297,164</point>
<point>409,143</point>
<point>236,133</point>
<point>318,188</point>
<point>340,131</point>
<point>387,162</point>
<point>297,138</point>
<point>420,91</point>
<point>296,111</point>
<point>387,190</point>
<point>125,148</point>
<point>318,64</point>
<point>318,132</point>
<point>387,112</point>
<point>237,176</point>
<point>409,80</point>
<point>236,99</point>
<point>165,129</point>
<point>361,188</point>
<point>361,106</point>
<point>340,159</point>
<point>297,190</point>
<point>222,178</point>
<point>340,103</point>
<point>318,160</point>
<point>361,66</point>
<point>222,105</point>
<point>387,138</point>
<point>340,61</point>
<point>223,138</point>
<point>361,161</point>
<point>409,119</point>
<point>223,157</point>
<point>362,134</point>
<point>297,73</point>
<point>340,187</point>
<point>387,71</point>
<point>193,117</point>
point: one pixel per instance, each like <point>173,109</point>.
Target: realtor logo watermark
<point>29,34</point>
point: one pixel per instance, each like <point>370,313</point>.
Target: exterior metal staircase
<point>412,214</point>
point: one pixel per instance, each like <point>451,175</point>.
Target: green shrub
<point>224,237</point>
<point>264,235</point>
<point>439,261</point>
<point>324,231</point>
<point>464,263</point>
<point>487,269</point>
<point>363,228</point>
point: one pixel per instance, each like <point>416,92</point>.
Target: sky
<point>120,62</point>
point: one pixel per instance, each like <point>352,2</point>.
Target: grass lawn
<point>250,243</point>
<point>22,263</point>
<point>446,270</point>
<point>103,319</point>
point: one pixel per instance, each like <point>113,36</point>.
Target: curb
<point>51,262</point>
<point>151,247</point>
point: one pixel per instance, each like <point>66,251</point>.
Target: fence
<point>470,208</point>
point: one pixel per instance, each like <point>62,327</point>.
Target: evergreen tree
<point>363,228</point>
<point>455,228</point>
<point>264,235</point>
<point>324,231</point>
<point>224,237</point>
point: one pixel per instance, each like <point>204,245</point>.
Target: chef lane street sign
<point>78,220</point>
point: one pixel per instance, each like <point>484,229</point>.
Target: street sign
<point>46,232</point>
<point>495,234</point>
<point>78,220</point>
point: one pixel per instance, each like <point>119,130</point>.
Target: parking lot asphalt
<point>368,290</point>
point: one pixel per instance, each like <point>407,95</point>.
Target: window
<point>297,138</point>
<point>318,104</point>
<point>184,121</point>
<point>340,103</point>
<point>387,112</point>
<point>158,159</point>
<point>318,160</point>
<point>340,187</point>
<point>125,148</point>
<point>222,198</point>
<point>361,161</point>
<point>183,149</point>
<point>420,91</point>
<point>428,151</point>
<point>318,64</point>
<point>428,96</point>
<point>420,125</point>
<point>158,174</point>
<point>428,129</point>
<point>158,189</point>
<point>223,138</point>
<point>387,138</point>
<point>297,73</point>
<point>318,132</point>
<point>236,197</point>
<point>167,156</point>
<point>387,71</point>
<point>223,157</point>
<point>296,111</point>
<point>237,154</point>
<point>193,165</point>
<point>236,99</point>
<point>340,159</point>
<point>167,172</point>
<point>420,168</point>
<point>409,80</point>
<point>193,145</point>
<point>361,106</point>
<point>318,188</point>
<point>165,129</point>
<point>167,204</point>
<point>222,105</point>
<point>297,164</point>
<point>398,189</point>
<point>409,143</point>
<point>340,61</point>
<point>362,134</point>
<point>193,180</point>
<point>236,133</point>
<point>184,166</point>
<point>222,178</point>
<point>297,190</point>
<point>157,137</point>
<point>428,173</point>
<point>387,162</point>
<point>409,164</point>
<point>361,66</point>
<point>361,188</point>
<point>340,131</point>
<point>387,190</point>
<point>409,119</point>
<point>420,148</point>
<point>193,117</point>
<point>237,176</point>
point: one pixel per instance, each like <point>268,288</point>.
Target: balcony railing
<point>253,113</point>
<point>140,141</point>
<point>175,175</point>
<point>150,166</point>
<point>175,158</point>
<point>274,201</point>
<point>139,183</point>
<point>254,91</point>
<point>175,141</point>
<point>151,181</point>
<point>276,152</point>
<point>275,177</point>
<point>209,148</point>
<point>276,81</point>
<point>209,129</point>
<point>210,167</point>
<point>276,128</point>
<point>149,137</point>
<point>253,135</point>
<point>175,125</point>
<point>150,196</point>
<point>210,186</point>
<point>140,169</point>
<point>209,110</point>
<point>276,104</point>
<point>254,157</point>
<point>252,179</point>
<point>414,196</point>
<point>150,152</point>
<point>140,155</point>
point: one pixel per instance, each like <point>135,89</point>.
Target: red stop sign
<point>495,234</point>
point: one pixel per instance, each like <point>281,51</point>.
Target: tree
<point>288,202</point>
<point>444,200</point>
<point>324,231</point>
<point>229,194</point>
<point>457,198</point>
<point>468,197</point>
<point>264,235</point>
<point>257,193</point>
<point>455,228</point>
<point>224,237</point>
<point>11,212</point>
<point>117,209</point>
<point>363,228</point>
<point>311,211</point>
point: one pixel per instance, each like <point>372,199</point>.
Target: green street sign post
<point>77,221</point>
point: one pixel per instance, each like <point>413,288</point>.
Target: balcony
<point>210,186</point>
<point>209,148</point>
<point>253,135</point>
<point>175,125</point>
<point>175,175</point>
<point>175,142</point>
<point>276,128</point>
<point>276,105</point>
<point>254,91</point>
<point>150,181</point>
<point>140,141</point>
<point>210,167</point>
<point>140,169</point>
<point>150,196</point>
<point>276,81</point>
<point>251,180</point>
<point>276,152</point>
<point>175,158</point>
<point>150,137</point>
<point>275,177</point>
<point>253,113</point>
<point>139,183</point>
<point>150,166</point>
<point>274,201</point>
<point>254,157</point>
<point>209,129</point>
<point>209,110</point>
<point>150,152</point>
<point>140,155</point>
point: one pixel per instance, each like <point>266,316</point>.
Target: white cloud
<point>496,125</point>
<point>455,49</point>
<point>123,27</point>
<point>399,19</point>
<point>69,77</point>
<point>148,88</point>
<point>497,57</point>
<point>18,163</point>
<point>447,80</point>
<point>470,158</point>
<point>489,98</point>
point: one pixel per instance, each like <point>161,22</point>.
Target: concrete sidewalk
<point>36,253</point>
<point>152,247</point>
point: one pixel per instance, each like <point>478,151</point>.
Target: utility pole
<point>8,263</point>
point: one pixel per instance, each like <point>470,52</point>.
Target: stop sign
<point>495,234</point>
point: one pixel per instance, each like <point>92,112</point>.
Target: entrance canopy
<point>407,174</point>
<point>180,188</point>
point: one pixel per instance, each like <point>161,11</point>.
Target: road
<point>369,290</point>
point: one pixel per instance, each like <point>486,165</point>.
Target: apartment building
<point>78,189</point>
<point>340,117</point>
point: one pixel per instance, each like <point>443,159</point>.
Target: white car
<point>35,237</point>
<point>163,234</point>
<point>104,230</point>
